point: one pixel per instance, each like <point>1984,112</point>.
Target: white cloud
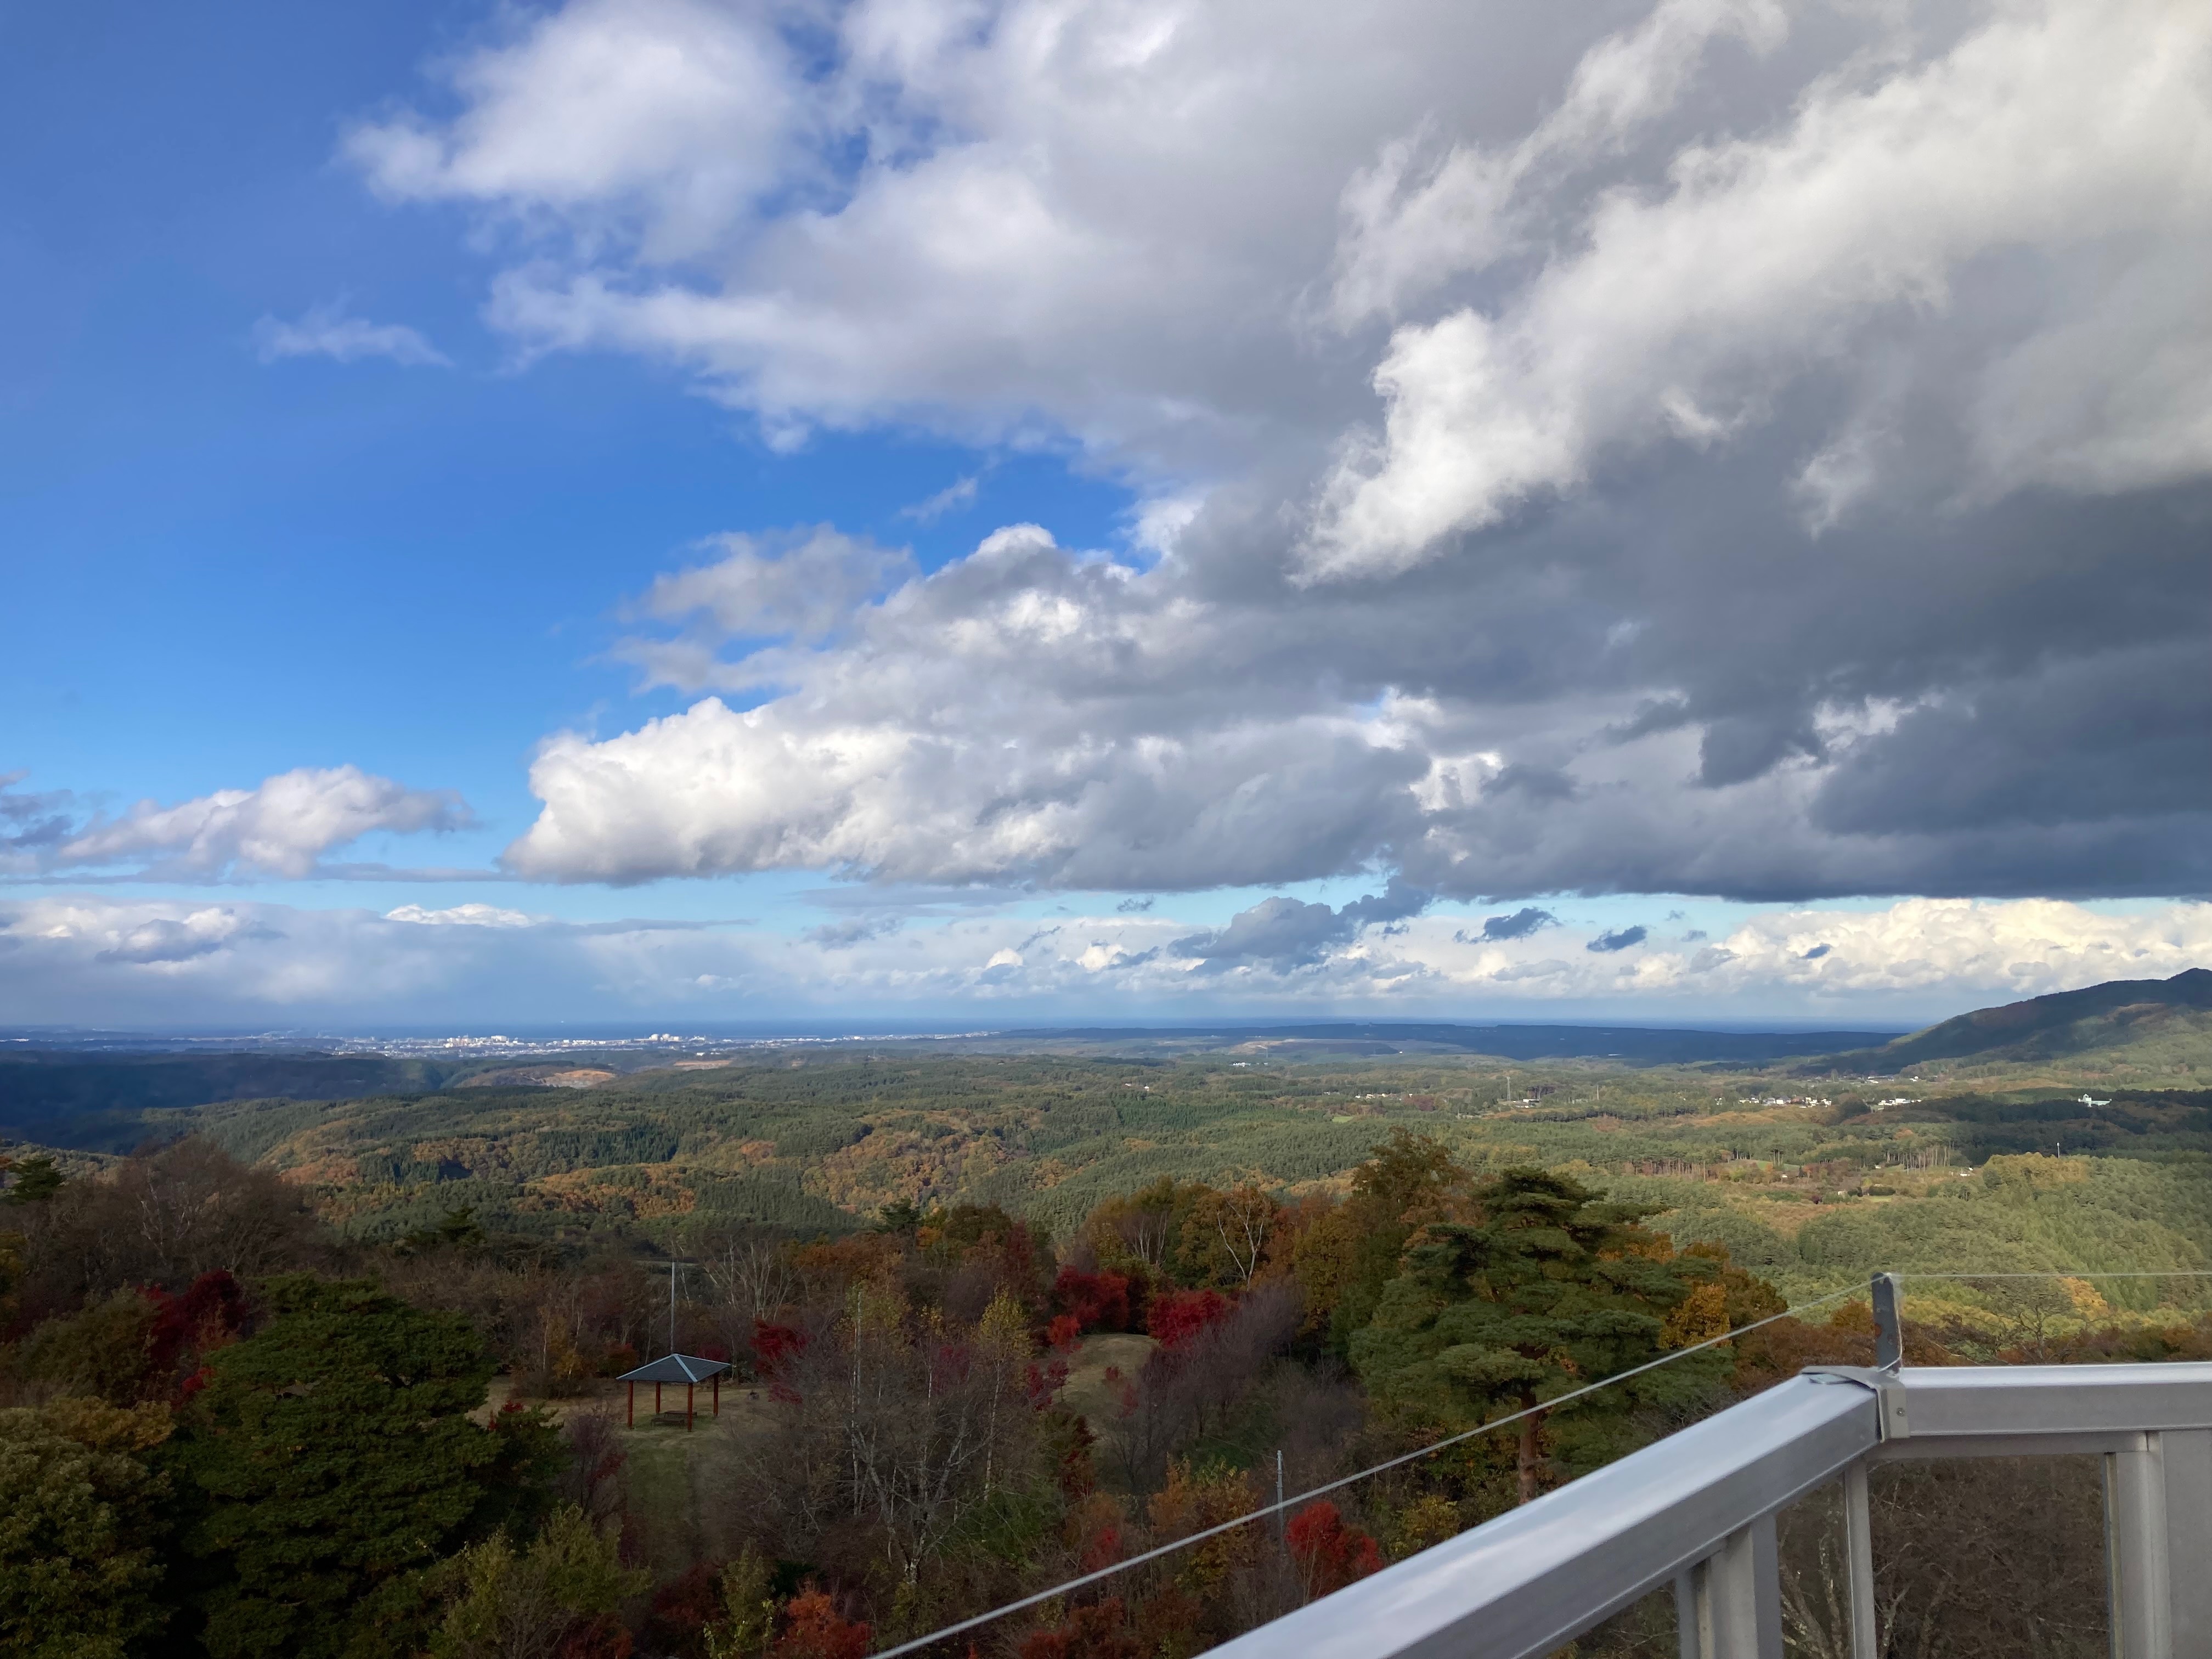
<point>961,492</point>
<point>1558,435</point>
<point>326,332</point>
<point>670,113</point>
<point>1101,217</point>
<point>802,587</point>
<point>463,915</point>
<point>283,828</point>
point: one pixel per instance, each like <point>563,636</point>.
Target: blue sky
<point>1705,639</point>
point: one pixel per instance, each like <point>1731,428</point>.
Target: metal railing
<point>1697,1511</point>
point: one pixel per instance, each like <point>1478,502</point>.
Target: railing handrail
<point>1532,1579</point>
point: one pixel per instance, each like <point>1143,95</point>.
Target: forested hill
<point>2121,1014</point>
<point>63,1097</point>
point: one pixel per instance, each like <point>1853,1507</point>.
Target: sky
<point>1001,511</point>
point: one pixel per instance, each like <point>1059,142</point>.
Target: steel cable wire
<point>1266,1510</point>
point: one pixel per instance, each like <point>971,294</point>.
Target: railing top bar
<point>2016,1400</point>
<point>2163,1374</point>
<point>1528,1580</point>
<point>1534,1579</point>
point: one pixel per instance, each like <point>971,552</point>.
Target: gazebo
<point>689,1370</point>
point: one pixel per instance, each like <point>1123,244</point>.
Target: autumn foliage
<point>1179,1316</point>
<point>1096,1302</point>
<point>1329,1554</point>
<point>813,1629</point>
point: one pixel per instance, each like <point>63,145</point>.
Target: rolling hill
<point>2162,1025</point>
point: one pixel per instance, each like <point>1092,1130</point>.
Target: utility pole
<point>674,1264</point>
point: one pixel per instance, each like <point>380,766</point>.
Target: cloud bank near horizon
<point>170,963</point>
<point>1708,447</point>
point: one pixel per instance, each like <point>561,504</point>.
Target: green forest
<point>338,1376</point>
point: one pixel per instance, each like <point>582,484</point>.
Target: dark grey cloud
<point>1519,925</point>
<point>844,935</point>
<point>1621,939</point>
<point>1130,906</point>
<point>1542,783</point>
<point>34,823</point>
<point>1284,932</point>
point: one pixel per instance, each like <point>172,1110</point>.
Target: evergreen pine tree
<point>1547,1288</point>
<point>330,1465</point>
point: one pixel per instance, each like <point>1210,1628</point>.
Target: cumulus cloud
<point>1029,714</point>
<point>81,959</point>
<point>1621,939</point>
<point>968,733</point>
<point>283,827</point>
<point>1718,447</point>
<point>325,330</point>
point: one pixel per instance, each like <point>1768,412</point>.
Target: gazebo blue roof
<point>676,1368</point>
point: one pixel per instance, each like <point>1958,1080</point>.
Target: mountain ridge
<point>2060,1025</point>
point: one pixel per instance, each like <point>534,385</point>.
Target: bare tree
<point>894,1428</point>
<point>1229,1231</point>
<point>1986,1558</point>
<point>1185,1391</point>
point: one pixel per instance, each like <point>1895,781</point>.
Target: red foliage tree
<point>1329,1554</point>
<point>1097,1302</point>
<point>1178,1316</point>
<point>605,1638</point>
<point>774,1348</point>
<point>813,1630</point>
<point>186,1328</point>
<point>1098,1632</point>
<point>683,1607</point>
<point>1041,1382</point>
<point>1064,1331</point>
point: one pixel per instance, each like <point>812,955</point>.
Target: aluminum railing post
<point>2135,1552</point>
<point>1858,1552</point>
<point>1693,1619</point>
<point>2187,1456</point>
<point>1743,1588</point>
<point>1888,1331</point>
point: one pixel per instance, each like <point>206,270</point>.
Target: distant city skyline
<point>1681,511</point>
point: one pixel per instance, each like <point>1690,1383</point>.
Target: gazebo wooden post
<point>656,1400</point>
<point>717,1394</point>
<point>688,1388</point>
<point>633,1405</point>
